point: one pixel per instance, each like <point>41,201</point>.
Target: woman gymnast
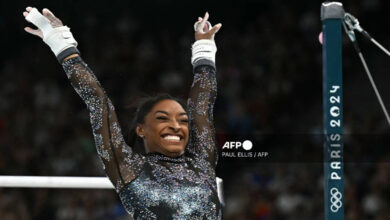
<point>175,177</point>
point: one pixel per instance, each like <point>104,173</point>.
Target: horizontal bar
<point>66,182</point>
<point>55,182</point>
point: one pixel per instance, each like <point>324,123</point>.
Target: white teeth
<point>171,137</point>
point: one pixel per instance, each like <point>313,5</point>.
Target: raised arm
<point>121,164</point>
<point>203,92</point>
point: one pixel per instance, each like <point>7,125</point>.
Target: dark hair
<point>144,106</point>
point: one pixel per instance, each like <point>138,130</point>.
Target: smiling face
<point>165,129</point>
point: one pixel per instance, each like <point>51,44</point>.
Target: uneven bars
<point>332,14</point>
<point>70,182</point>
<point>55,182</point>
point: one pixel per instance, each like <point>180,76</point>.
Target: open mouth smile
<point>172,137</point>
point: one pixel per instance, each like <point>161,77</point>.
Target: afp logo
<point>246,145</point>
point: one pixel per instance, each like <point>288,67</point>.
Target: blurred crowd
<point>269,67</point>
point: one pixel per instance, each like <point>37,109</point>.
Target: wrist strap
<point>67,52</point>
<point>60,39</point>
<point>203,49</point>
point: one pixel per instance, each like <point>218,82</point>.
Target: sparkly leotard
<point>155,186</point>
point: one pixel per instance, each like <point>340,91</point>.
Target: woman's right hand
<point>53,20</point>
<point>57,36</point>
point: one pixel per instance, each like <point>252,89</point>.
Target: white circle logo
<point>247,145</point>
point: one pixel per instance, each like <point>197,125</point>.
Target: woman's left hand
<point>202,29</point>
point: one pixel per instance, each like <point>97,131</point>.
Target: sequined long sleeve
<point>121,164</point>
<point>200,105</point>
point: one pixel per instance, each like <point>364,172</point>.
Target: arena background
<point>269,91</point>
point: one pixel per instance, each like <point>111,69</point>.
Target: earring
<point>141,136</point>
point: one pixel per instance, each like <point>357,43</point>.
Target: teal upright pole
<point>332,14</point>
